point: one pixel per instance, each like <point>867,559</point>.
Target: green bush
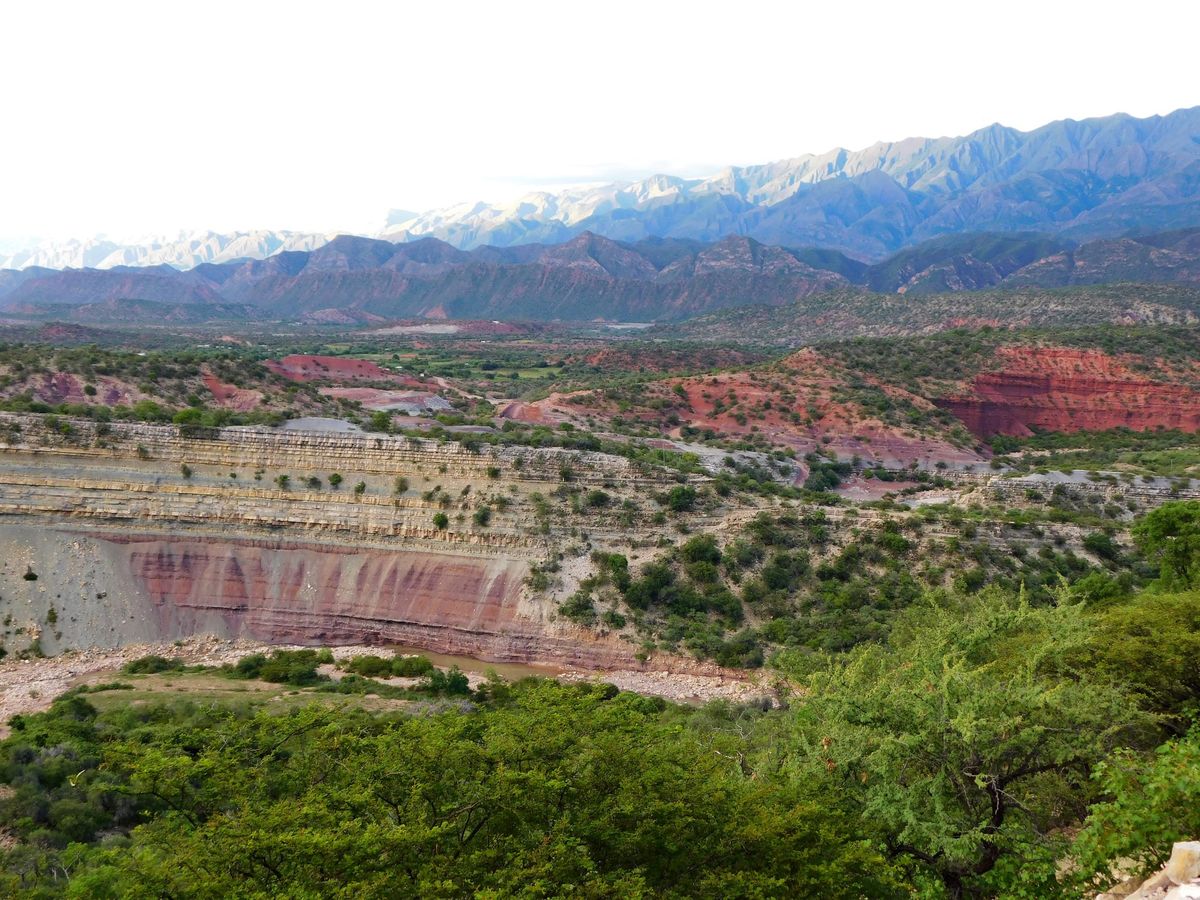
<point>680,498</point>
<point>411,666</point>
<point>1155,801</point>
<point>452,682</point>
<point>151,665</point>
<point>297,668</point>
<point>369,666</point>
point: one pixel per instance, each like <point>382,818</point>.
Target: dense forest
<point>990,746</point>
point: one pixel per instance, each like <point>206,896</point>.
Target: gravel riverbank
<point>30,685</point>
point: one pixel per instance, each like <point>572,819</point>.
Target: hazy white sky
<point>129,118</point>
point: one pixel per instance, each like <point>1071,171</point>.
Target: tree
<point>189,421</point>
<point>335,479</point>
<point>360,488</point>
<point>441,520</point>
<point>380,421</point>
<point>1155,801</point>
<point>560,789</point>
<point>680,498</point>
<point>1170,537</point>
<point>282,481</point>
<point>961,738</point>
<point>1150,645</point>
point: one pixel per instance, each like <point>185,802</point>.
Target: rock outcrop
<point>1067,389</point>
<point>1178,880</point>
<point>135,534</point>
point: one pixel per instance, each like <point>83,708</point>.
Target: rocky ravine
<point>104,542</point>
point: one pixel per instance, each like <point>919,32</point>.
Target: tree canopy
<point>1170,537</point>
<point>965,735</point>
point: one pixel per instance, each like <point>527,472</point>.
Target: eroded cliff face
<point>104,542</point>
<point>1067,389</point>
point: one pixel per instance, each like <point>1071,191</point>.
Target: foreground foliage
<point>967,738</point>
<point>573,790</point>
<point>954,757</point>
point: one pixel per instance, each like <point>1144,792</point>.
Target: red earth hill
<point>303,367</point>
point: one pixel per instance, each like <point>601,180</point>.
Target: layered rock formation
<point>135,534</point>
<point>1066,389</point>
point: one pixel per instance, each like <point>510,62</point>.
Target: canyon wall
<point>105,541</point>
<point>1065,389</point>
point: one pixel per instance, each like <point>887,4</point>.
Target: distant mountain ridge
<point>184,251</point>
<point>1084,179</point>
<point>362,280</point>
<point>1077,180</point>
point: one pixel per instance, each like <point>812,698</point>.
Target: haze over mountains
<point>1077,179</point>
<point>1080,179</point>
<point>1100,200</point>
<point>362,280</point>
<point>183,251</point>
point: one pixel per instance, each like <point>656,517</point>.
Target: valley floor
<point>31,685</point>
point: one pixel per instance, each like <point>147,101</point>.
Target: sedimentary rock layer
<point>1065,389</point>
<point>105,541</point>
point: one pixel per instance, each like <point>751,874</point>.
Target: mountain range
<point>1081,180</point>
<point>184,251</point>
<point>356,280</point>
<point>1076,180</point>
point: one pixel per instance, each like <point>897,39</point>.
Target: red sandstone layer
<point>294,592</point>
<point>1064,389</point>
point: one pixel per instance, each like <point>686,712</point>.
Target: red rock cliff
<point>1065,389</point>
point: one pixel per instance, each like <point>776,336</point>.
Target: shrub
<point>294,667</point>
<point>1153,804</point>
<point>411,666</point>
<point>579,608</point>
<point>151,665</point>
<point>701,548</point>
<point>1102,545</point>
<point>453,682</point>
<point>380,421</point>
<point>596,498</point>
<point>369,666</point>
<point>680,498</point>
<point>613,619</point>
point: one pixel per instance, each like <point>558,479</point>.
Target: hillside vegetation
<point>847,314</point>
<point>533,787</point>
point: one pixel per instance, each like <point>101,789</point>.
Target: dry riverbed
<point>30,685</point>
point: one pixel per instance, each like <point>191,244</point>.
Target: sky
<point>131,118</point>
